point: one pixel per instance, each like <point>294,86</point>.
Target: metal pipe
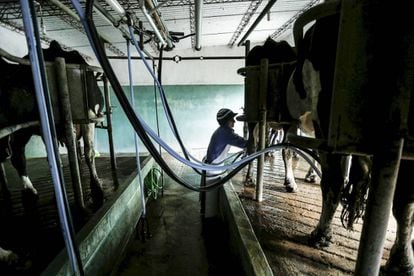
<point>163,26</point>
<point>155,9</point>
<point>198,21</point>
<point>116,7</point>
<point>64,99</point>
<point>10,57</point>
<point>104,14</point>
<point>374,230</point>
<point>153,26</point>
<point>158,24</point>
<point>314,13</point>
<point>108,113</point>
<point>185,58</point>
<point>10,129</point>
<point>257,21</point>
<point>48,131</point>
<point>264,70</point>
<point>64,8</point>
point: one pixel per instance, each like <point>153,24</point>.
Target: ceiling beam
<point>244,21</point>
<point>287,25</point>
<point>265,10</point>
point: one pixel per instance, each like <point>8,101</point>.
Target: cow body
<point>310,90</point>
<point>18,105</point>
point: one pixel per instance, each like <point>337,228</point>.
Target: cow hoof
<point>97,194</point>
<point>310,179</point>
<point>5,193</point>
<point>8,257</point>
<point>399,270</point>
<point>319,240</point>
<point>399,263</point>
<point>29,196</point>
<point>291,189</point>
<point>249,183</point>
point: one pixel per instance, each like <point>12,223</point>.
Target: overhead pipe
<point>66,9</point>
<point>72,14</point>
<point>153,26</point>
<point>124,32</point>
<point>11,129</point>
<point>153,5</point>
<point>198,26</point>
<point>257,21</point>
<point>156,22</point>
<point>116,7</point>
<point>105,15</point>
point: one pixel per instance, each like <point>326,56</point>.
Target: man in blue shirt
<point>223,137</point>
<point>221,141</point>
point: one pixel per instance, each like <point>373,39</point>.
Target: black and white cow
<point>18,105</point>
<point>278,118</point>
<point>313,84</point>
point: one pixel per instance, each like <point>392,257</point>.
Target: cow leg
<point>18,158</point>
<point>249,182</point>
<point>7,256</point>
<point>331,186</point>
<point>288,156</point>
<point>4,154</point>
<point>4,190</point>
<point>251,148</point>
<point>310,176</point>
<point>290,182</point>
<point>88,134</point>
<point>401,260</point>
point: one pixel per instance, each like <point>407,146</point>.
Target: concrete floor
<point>181,242</point>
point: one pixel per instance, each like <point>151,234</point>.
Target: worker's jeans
<point>209,200</point>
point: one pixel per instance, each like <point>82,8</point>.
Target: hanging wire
<point>131,93</point>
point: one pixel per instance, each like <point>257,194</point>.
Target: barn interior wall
<point>193,106</point>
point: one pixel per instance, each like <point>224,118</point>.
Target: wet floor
<point>181,242</point>
<point>283,222</point>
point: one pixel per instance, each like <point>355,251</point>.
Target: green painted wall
<point>194,108</point>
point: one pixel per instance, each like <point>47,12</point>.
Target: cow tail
<point>303,49</point>
<point>355,194</point>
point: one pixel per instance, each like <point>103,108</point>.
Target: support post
<point>264,67</point>
<point>63,90</point>
<point>108,113</point>
<point>245,124</point>
<point>374,230</point>
<point>260,159</point>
